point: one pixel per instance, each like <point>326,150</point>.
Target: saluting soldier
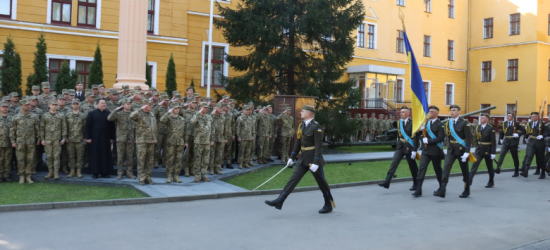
<point>509,141</point>
<point>218,139</point>
<point>287,131</point>
<point>24,135</point>
<point>125,91</point>
<point>458,132</point>
<point>536,130</point>
<point>160,147</point>
<point>189,158</point>
<point>202,123</point>
<point>113,100</point>
<point>433,136</point>
<point>246,131</point>
<point>274,123</point>
<point>407,145</point>
<point>146,137</point>
<point>175,143</point>
<point>76,124</point>
<point>264,134</point>
<point>486,149</point>
<point>309,147</point>
<point>229,134</point>
<point>125,137</point>
<point>5,143</point>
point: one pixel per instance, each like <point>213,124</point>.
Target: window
<point>486,68</point>
<point>510,107</point>
<point>1,61</point>
<point>400,43</point>
<point>427,46</point>
<point>55,65</point>
<point>548,110</point>
<point>5,8</point>
<point>361,36</point>
<point>61,11</point>
<point>87,12</point>
<point>217,65</point>
<point>151,16</point>
<point>513,70</point>
<point>83,68</point>
<point>488,28</point>
<point>401,2</point>
<point>514,24</point>
<point>428,6</point>
<point>451,8</point>
<point>399,90</point>
<point>449,94</point>
<point>450,50</point>
<point>484,106</point>
<point>370,44</point>
<point>427,90</point>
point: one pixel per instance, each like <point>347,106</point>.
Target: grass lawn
<point>365,149</point>
<point>15,193</point>
<point>343,173</point>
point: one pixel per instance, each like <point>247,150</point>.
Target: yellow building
<point>447,36</point>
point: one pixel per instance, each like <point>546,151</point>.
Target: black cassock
<point>100,131</point>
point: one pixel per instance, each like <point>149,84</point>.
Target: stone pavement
<point>512,214</point>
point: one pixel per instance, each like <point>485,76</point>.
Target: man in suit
<point>406,146</point>
<point>458,132</point>
<point>79,93</point>
<point>510,141</point>
<point>535,145</point>
<point>486,149</point>
<point>309,148</point>
<point>433,137</point>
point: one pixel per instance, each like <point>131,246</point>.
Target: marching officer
<point>486,149</point>
<point>536,130</point>
<point>510,142</point>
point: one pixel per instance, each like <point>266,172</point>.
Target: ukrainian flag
<point>419,102</point>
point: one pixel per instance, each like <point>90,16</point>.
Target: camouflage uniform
<point>373,127</point>
<point>75,137</point>
<point>365,127</point>
<point>25,132</point>
<point>203,127</point>
<point>43,100</point>
<point>5,145</point>
<point>86,108</point>
<point>175,143</point>
<point>13,109</point>
<point>217,137</point>
<point>381,125</point>
<point>287,131</point>
<point>359,123</point>
<point>161,137</point>
<point>229,128</point>
<point>246,131</point>
<point>125,130</point>
<point>52,130</point>
<point>64,160</point>
<point>273,134</point>
<point>146,137</point>
<point>264,131</point>
<point>189,158</point>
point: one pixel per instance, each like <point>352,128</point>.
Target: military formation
<point>195,134</point>
<point>371,127</point>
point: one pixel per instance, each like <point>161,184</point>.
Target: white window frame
<point>483,29</point>
<point>157,17</point>
<point>71,59</point>
<point>429,89</point>
<point>454,6</point>
<point>404,3</point>
<point>205,57</point>
<point>429,6</point>
<point>404,84</point>
<point>452,54</point>
<point>453,91</point>
<point>13,10</point>
<point>510,24</point>
<point>97,18</point>
<point>367,36</point>
<point>153,73</point>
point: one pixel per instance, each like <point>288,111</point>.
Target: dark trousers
<point>425,161</point>
<point>489,164</point>
<point>450,159</point>
<point>532,151</point>
<point>513,151</point>
<point>299,173</point>
<point>397,157</point>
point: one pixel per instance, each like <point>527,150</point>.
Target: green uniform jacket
<point>311,136</point>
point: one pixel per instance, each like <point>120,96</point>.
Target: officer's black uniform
<point>487,146</point>
<point>431,153</point>
<point>535,147</point>
<point>509,143</point>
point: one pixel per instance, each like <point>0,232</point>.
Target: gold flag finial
<point>402,17</point>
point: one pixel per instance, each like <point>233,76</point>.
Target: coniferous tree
<point>40,73</point>
<point>171,84</point>
<point>192,85</point>
<point>64,79</point>
<point>148,75</point>
<point>96,70</point>
<point>10,74</point>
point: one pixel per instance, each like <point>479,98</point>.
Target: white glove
<point>515,135</point>
<point>425,140</point>
<point>539,137</point>
<point>465,157</point>
<point>548,149</point>
<point>290,162</point>
<point>413,154</point>
<point>500,141</point>
<point>423,127</point>
<point>313,167</point>
<point>493,156</point>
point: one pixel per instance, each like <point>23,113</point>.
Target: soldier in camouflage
<point>112,103</point>
<point>146,137</point>
<point>365,127</point>
<point>137,100</point>
<point>264,134</point>
<point>124,137</point>
<point>5,143</point>
<point>202,123</point>
<point>381,125</point>
<point>246,133</point>
<point>287,131</point>
<point>274,126</point>
<point>62,109</point>
<point>24,135</point>
<point>189,158</point>
<point>125,91</point>
<point>14,103</point>
<point>254,117</point>
<point>217,140</point>
<point>373,124</point>
<point>229,134</point>
<point>35,90</point>
<point>76,122</point>
<point>45,97</point>
<point>357,119</point>
<point>160,147</point>
<point>175,143</point>
<point>88,105</point>
<point>53,133</point>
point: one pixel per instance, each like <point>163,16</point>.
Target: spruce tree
<point>96,71</point>
<point>171,84</point>
<point>64,79</point>
<point>11,69</point>
<point>148,75</point>
<point>192,85</point>
<point>74,79</point>
<point>40,73</point>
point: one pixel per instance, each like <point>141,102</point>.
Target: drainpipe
<point>468,36</point>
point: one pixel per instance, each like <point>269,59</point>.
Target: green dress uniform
<point>485,134</point>
<point>432,152</point>
<point>509,143</point>
<point>535,147</point>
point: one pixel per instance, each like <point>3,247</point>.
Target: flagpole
<point>209,74</point>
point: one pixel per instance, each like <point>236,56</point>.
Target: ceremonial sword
<point>288,164</point>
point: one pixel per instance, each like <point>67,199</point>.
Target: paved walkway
<point>513,213</point>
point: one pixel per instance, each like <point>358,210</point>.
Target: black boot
<point>327,208</point>
<point>268,159</point>
<point>524,172</point>
<point>441,191</point>
<point>466,192</point>
<point>278,203</point>
<point>386,184</point>
<point>414,187</point>
<point>497,171</point>
<point>418,191</point>
<point>229,166</point>
<point>542,175</point>
<point>516,174</point>
<point>490,184</point>
<point>471,179</point>
<point>537,172</point>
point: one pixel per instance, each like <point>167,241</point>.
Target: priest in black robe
<point>100,134</point>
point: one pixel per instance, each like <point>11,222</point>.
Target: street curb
<point>528,244</point>
<point>152,200</point>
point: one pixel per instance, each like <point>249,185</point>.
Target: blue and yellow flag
<point>419,102</point>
